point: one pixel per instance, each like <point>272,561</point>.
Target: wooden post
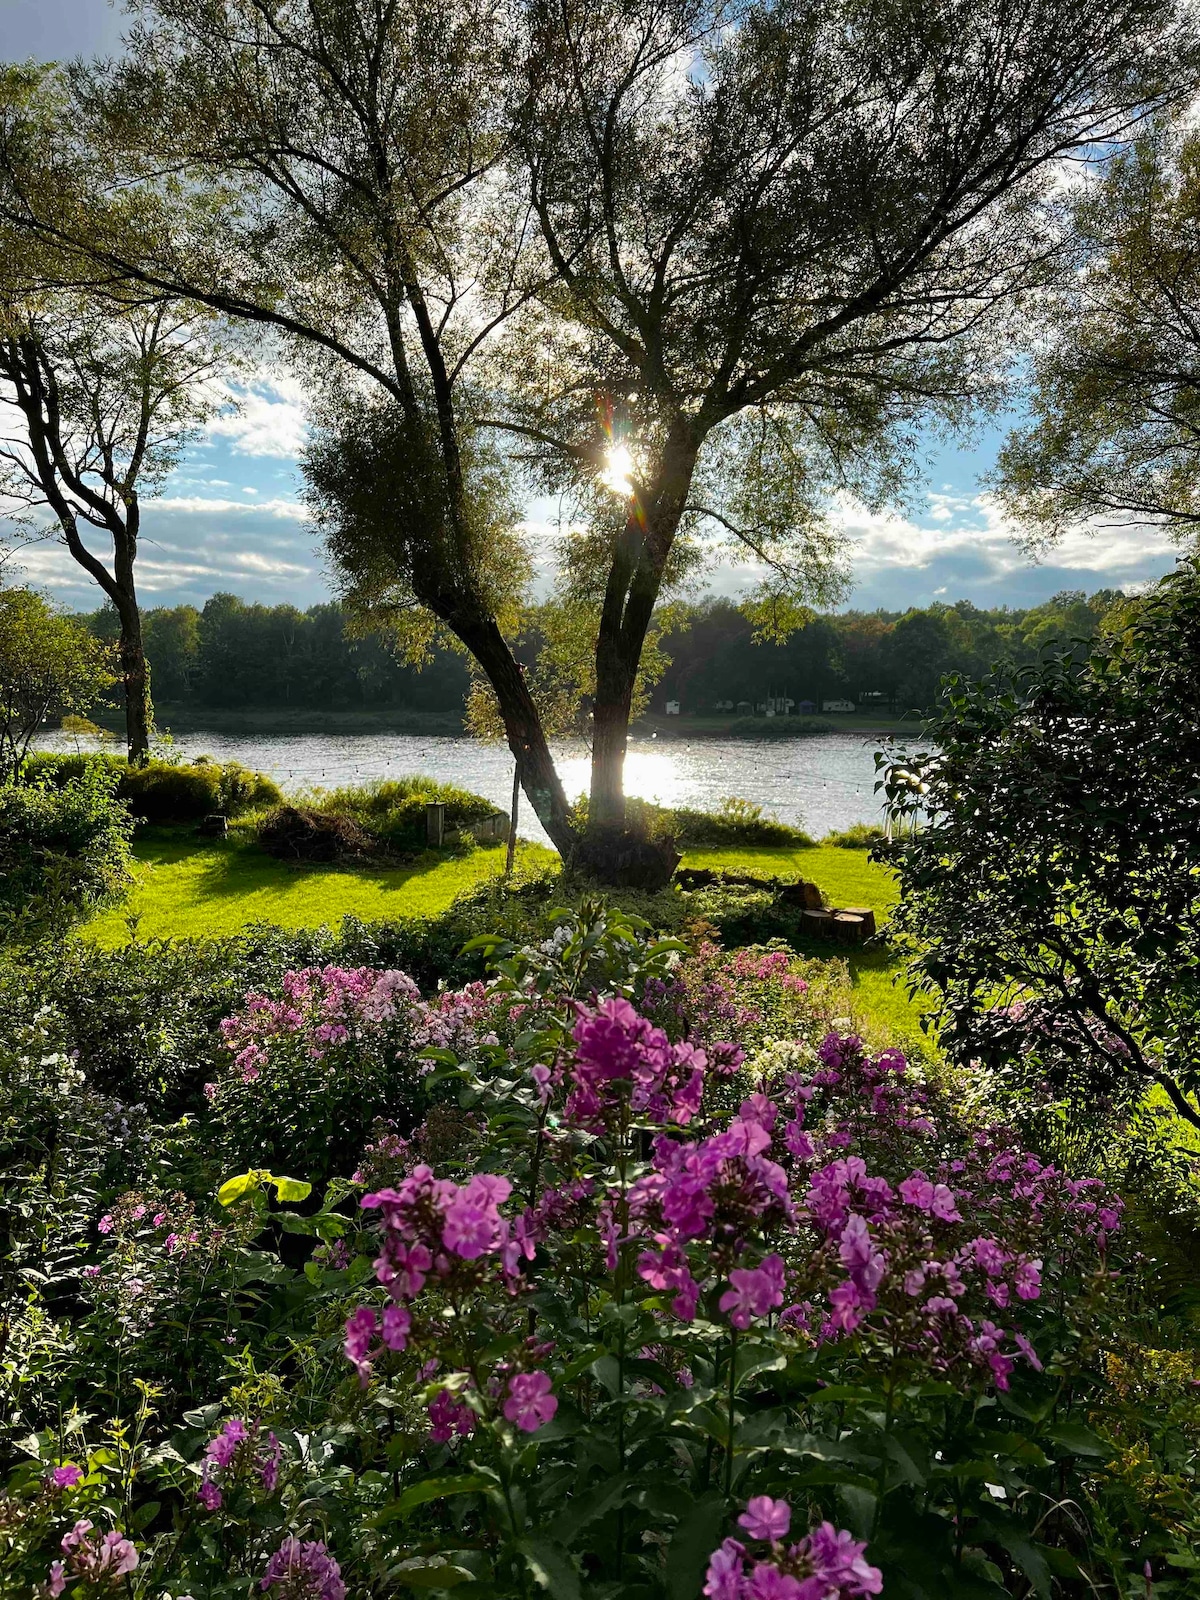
<point>435,824</point>
<point>512,822</point>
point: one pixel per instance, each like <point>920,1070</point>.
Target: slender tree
<point>101,400</point>
<point>706,262</point>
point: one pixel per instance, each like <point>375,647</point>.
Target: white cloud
<point>199,505</point>
<point>266,416</point>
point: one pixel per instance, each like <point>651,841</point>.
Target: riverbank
<point>868,724</point>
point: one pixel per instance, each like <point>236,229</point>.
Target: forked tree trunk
<point>631,594</point>
<point>135,677</point>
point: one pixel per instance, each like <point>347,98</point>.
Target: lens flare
<point>618,470</point>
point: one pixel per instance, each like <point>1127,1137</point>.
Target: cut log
<point>818,924</point>
<point>847,928</point>
<point>867,915</point>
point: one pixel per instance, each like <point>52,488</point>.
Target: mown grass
<point>189,889</point>
<point>186,889</point>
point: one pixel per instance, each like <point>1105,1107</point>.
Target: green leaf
<point>234,1188</point>
<point>755,1358</point>
<point>1073,1439</point>
<point>601,1500</point>
<point>551,1567</point>
<point>695,1539</point>
<point>436,1573</point>
<point>418,1494</point>
<point>144,1515</point>
<point>289,1189</point>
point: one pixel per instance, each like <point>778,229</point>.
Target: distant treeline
<point>230,655</point>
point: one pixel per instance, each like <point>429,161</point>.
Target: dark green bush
<point>63,851</point>
<point>385,818</point>
<point>165,791</point>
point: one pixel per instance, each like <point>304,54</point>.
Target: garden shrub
<point>630,1311</point>
<point>63,852</point>
<point>164,792</point>
<point>735,824</point>
<point>858,836</point>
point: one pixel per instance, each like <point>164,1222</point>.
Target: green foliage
<point>1050,900</point>
<point>165,791</point>
<point>858,836</point>
<point>1112,431</point>
<point>393,811</point>
<point>63,852</point>
<point>50,666</point>
<point>736,823</point>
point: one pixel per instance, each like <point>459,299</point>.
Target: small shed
<point>672,708</point>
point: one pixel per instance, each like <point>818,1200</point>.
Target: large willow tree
<point>694,263</point>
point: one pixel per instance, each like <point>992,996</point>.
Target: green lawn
<point>188,889</point>
<point>185,889</point>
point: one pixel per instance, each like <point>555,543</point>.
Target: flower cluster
<point>617,1050</point>
<point>321,1007</point>
<point>100,1563</point>
<point>456,1236</point>
<point>826,1564</point>
<point>303,1570</point>
<point>238,1451</point>
<point>713,997</point>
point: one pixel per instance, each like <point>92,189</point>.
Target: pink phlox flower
<point>267,1465</point>
<point>988,1256</point>
<point>105,1225</point>
<point>100,1561</point>
<point>850,1304</point>
<point>1027,1280</point>
<point>531,1402</point>
<point>753,1291</point>
<point>942,1304</point>
<point>766,1582</point>
<point>397,1324</point>
<point>66,1477</point>
<point>838,1559</point>
<point>361,1328</point>
<point>472,1223</point>
<point>221,1449</point>
<point>723,1580</point>
<point>402,1268</point>
<point>1027,1350</point>
<point>799,1144</point>
<point>667,1268</point>
<point>765,1518</point>
<point>759,1109</point>
<point>209,1495</point>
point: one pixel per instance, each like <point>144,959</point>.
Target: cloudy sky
<point>230,517</point>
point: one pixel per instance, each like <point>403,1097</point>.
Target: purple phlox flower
<point>209,1495</point>
<point>759,1109</point>
<point>723,1581</point>
<point>56,1582</point>
<point>765,1518</point>
<point>304,1571</point>
<point>1027,1350</point>
<point>838,1559</point>
<point>753,1291</point>
<point>397,1324</point>
<point>267,1465</point>
<point>449,1418</point>
<point>472,1225</point>
<point>530,1403</point>
<point>1027,1280</point>
<point>221,1449</point>
<point>66,1477</point>
<point>361,1328</point>
<point>857,1251</point>
<point>105,1225</point>
<point>666,1267</point>
<point>767,1582</point>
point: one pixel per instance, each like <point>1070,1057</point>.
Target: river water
<point>818,783</point>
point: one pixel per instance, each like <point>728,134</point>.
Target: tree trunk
<point>526,737</point>
<point>135,673</point>
<point>630,597</point>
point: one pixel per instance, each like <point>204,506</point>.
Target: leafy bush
<point>62,851</point>
<point>735,823</point>
<point>165,791</point>
<point>858,836</point>
<point>385,818</point>
<point>1049,903</point>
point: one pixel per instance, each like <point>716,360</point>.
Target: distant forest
<point>230,655</point>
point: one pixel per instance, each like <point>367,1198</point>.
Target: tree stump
<point>818,924</point>
<point>868,918</point>
<point>806,895</point>
<point>847,927</point>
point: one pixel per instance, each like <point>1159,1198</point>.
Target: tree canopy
<point>691,265</point>
<point>49,665</point>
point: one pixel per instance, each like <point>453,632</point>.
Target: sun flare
<point>618,470</point>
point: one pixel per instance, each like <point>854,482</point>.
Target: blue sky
<point>230,517</point>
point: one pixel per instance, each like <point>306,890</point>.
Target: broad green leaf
<point>418,1494</point>
<point>1072,1438</point>
<point>597,1503</point>
<point>234,1188</point>
<point>695,1539</point>
<point>436,1573</point>
<point>551,1567</point>
<point>290,1189</point>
